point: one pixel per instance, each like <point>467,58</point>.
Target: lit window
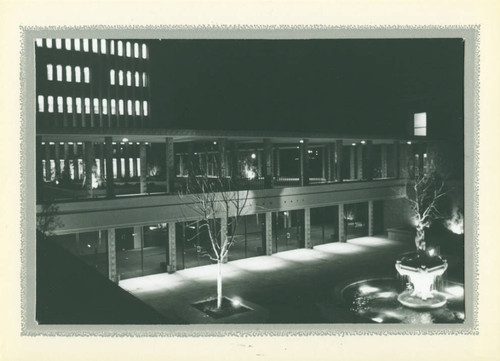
<point>122,166</point>
<point>78,105</point>
<point>129,78</point>
<point>67,44</point>
<point>114,168</point>
<point>68,73</point>
<point>86,45</point>
<point>60,104</point>
<point>95,46</point>
<point>49,43</point>
<point>112,77</point>
<point>104,106</point>
<point>129,49</point>
<point>138,166</point>
<point>50,104</point>
<point>96,106</point>
<point>144,80</point>
<point>78,74</point>
<point>87,105</point>
<point>137,79</point>
<point>145,107</point>
<point>58,44</point>
<point>420,124</point>
<point>131,162</point>
<point>39,42</point>
<point>103,46</point>
<point>86,75</point>
<point>120,106</point>
<point>137,107</point>
<point>144,51</point>
<point>129,107</point>
<point>112,47</point>
<point>40,104</point>
<point>77,44</point>
<point>113,106</point>
<point>136,50</point>
<point>50,72</point>
<point>69,105</point>
<point>120,77</point>
<point>59,72</point>
<point>120,48</point>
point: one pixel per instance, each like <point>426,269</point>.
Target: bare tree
<point>423,193</point>
<point>214,200</point>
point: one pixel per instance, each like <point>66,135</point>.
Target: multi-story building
<point>110,175</point>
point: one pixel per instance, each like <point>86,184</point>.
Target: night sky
<point>341,86</point>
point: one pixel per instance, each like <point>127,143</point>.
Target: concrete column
<point>383,160</point>
<point>360,163</point>
<point>328,162</point>
<point>108,152</point>
<point>370,218</point>
<point>223,235</point>
<point>89,162</point>
<point>368,167</point>
<point>235,171</point>
<point>268,157</point>
<point>66,160</point>
<point>144,168</point>
<point>269,233</point>
<point>112,269</point>
<point>138,237</point>
<point>278,166</point>
<point>222,157</point>
<point>101,162</point>
<point>403,161</point>
<point>339,146</point>
<point>118,161</point>
<point>307,228</point>
<point>172,259</point>
<point>352,162</point>
<point>76,169</point>
<point>396,160</point>
<point>57,157</point>
<point>169,166</point>
<point>181,164</point>
<point>304,162</point>
<point>47,162</point>
<point>342,235</point>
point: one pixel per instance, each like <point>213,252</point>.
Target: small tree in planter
<point>423,194</point>
<point>213,198</point>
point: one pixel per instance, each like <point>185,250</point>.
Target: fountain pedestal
<point>422,271</point>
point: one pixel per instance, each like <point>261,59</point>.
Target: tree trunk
<point>219,284</point>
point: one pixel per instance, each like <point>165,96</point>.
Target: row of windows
<point>76,168</point>
<point>98,46</point>
<point>98,106</point>
<point>138,79</point>
<point>69,73</point>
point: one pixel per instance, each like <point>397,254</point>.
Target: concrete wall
<point>146,210</point>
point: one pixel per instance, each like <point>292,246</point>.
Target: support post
<point>360,162</point>
<point>368,168</point>
<point>339,146</point>
<point>169,166</point>
<point>222,157</point>
<point>352,162</point>
<point>328,162</point>
<point>89,162</point>
<point>269,233</point>
<point>304,162</point>
<point>112,269</point>
<point>108,148</point>
<point>383,160</point>
<point>370,218</point>
<point>172,259</point>
<point>57,157</point>
<point>278,167</point>
<point>268,156</point>
<point>307,228</point>
<point>342,235</point>
<point>144,168</point>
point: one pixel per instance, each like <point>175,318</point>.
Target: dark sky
<point>341,86</point>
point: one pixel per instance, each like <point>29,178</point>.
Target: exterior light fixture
<point>301,141</point>
<point>61,143</point>
<point>146,143</point>
<point>215,143</point>
<point>130,143</point>
<point>70,143</point>
<point>253,156</point>
<point>125,140</point>
<point>408,142</point>
<point>51,143</point>
<point>138,143</point>
<point>363,142</point>
<point>195,153</point>
<point>353,144</point>
<point>43,143</point>
<point>79,143</point>
<point>114,143</point>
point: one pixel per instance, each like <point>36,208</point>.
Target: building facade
<point>111,181</point>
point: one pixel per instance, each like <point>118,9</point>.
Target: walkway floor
<point>294,286</point>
